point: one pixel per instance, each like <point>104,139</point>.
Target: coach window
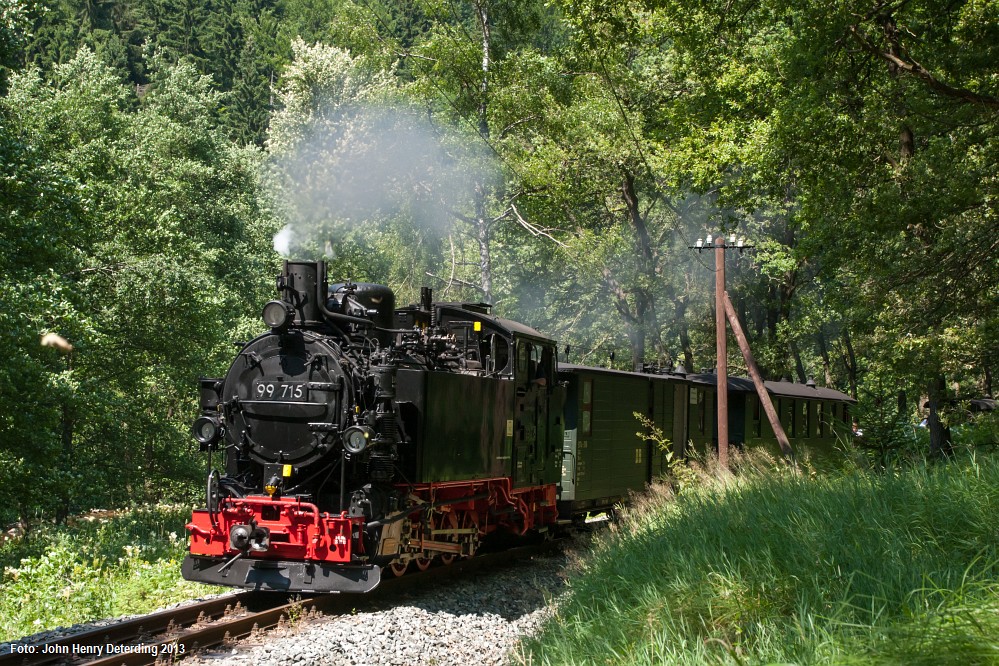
<point>821,414</point>
<point>806,422</point>
<point>700,410</point>
<point>758,417</point>
<point>523,361</point>
<point>544,375</point>
<point>587,410</point>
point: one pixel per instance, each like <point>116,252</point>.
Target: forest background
<point>554,158</point>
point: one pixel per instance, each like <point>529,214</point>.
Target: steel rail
<point>126,630</point>
<point>172,634</point>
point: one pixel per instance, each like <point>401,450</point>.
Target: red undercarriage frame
<point>445,514</point>
<point>298,530</point>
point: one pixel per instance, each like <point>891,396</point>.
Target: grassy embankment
<point>107,566</point>
<point>768,567</point>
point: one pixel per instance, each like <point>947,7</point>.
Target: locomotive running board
<point>282,575</point>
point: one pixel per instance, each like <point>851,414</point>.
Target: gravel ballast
<point>478,619</point>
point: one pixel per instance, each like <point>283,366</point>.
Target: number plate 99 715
<point>265,390</point>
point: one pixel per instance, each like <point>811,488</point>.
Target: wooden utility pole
<point>723,310</point>
<point>722,349</point>
<point>754,372</point>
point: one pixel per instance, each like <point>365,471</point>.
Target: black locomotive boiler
<point>358,437</point>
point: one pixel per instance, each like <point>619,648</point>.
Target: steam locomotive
<point>360,438</point>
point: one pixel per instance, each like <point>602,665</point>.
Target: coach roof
<point>782,389</point>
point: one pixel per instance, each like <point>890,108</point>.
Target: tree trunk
<point>851,363</point>
<point>481,222</point>
<point>773,312</point>
<point>68,425</point>
<point>638,331</point>
<point>482,13</point>
<point>680,307</point>
<point>645,304</point>
<point>482,238</point>
<point>24,514</point>
<point>799,367</point>
<point>940,442</point>
<point>636,336</point>
<point>742,311</point>
<point>760,315</point>
<point>824,352</point>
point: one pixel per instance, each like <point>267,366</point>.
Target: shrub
<point>101,565</point>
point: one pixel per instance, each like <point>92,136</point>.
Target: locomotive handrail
<point>322,285</point>
<point>236,502</point>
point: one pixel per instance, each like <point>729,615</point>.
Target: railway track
<point>168,636</point>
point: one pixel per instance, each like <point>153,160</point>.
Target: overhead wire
<point>612,86</point>
<point>452,102</point>
<point>619,102</point>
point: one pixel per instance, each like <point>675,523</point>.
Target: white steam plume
<point>362,167</point>
<point>283,240</point>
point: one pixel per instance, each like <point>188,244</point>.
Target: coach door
<point>680,433</point>
<point>533,374</point>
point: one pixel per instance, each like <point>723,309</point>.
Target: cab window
<point>496,349</point>
<point>535,364</point>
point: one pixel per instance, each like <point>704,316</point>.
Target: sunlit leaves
<point>140,239</point>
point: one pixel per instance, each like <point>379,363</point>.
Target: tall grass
<point>109,565</point>
<point>767,566</point>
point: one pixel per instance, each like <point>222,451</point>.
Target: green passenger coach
<point>603,457</point>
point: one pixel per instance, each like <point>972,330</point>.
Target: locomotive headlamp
<point>277,314</point>
<point>272,486</point>
<point>357,438</point>
<point>206,430</point>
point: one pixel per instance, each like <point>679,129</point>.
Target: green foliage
<point>13,23</point>
<point>679,476</point>
<point>104,565</point>
<point>360,177</point>
<point>980,432</point>
<point>135,232</point>
<point>772,567</point>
